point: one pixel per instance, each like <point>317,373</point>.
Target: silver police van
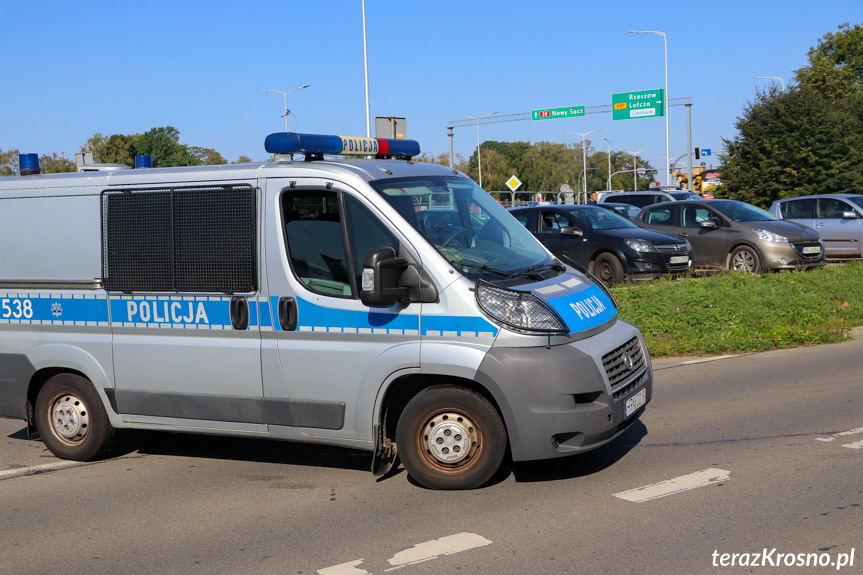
<point>305,299</point>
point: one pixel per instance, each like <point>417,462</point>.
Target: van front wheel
<point>71,419</point>
<point>450,437</point>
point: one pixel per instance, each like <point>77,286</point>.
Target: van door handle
<point>239,313</point>
<point>288,313</point>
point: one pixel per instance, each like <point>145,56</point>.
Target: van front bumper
<point>569,398</point>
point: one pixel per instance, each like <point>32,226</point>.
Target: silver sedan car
<point>837,217</point>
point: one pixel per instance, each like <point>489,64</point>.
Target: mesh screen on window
<point>194,239</point>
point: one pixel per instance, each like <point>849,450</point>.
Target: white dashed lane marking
<point>677,485</point>
<point>843,434</point>
<point>420,552</point>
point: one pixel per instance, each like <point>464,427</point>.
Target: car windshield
<point>742,212</point>
<point>474,232</point>
<point>592,218</point>
<point>857,200</point>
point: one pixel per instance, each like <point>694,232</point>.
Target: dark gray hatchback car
<point>735,235</point>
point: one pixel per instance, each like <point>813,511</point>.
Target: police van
<point>304,299</point>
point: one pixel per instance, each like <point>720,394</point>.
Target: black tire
<point>608,269</point>
<point>71,419</point>
<point>744,259</point>
<point>449,437</point>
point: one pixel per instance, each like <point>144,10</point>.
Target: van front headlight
<point>520,311</point>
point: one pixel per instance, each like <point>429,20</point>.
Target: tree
<point>9,162</point>
<point>243,160</point>
<point>206,156</point>
<point>808,139</point>
<point>96,145</point>
<point>836,63</point>
<point>55,164</point>
<point>164,147</point>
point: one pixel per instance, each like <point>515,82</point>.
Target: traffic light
<point>697,153</point>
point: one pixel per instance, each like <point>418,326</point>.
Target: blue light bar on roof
<point>292,143</point>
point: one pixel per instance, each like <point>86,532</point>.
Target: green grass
<point>733,312</point>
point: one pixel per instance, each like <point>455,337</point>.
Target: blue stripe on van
<point>584,309</point>
<point>52,309</point>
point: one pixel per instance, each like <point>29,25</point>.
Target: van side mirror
<point>382,273</point>
<point>850,215</point>
<point>570,231</point>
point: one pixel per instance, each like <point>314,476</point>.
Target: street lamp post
<point>285,94</point>
<point>478,150</point>
<point>665,104</point>
<point>773,78</point>
<point>584,155</point>
<point>634,167</point>
<point>608,184</point>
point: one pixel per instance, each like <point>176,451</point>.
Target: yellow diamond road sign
<point>513,183</point>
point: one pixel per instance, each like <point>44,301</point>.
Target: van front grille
<point>623,363</point>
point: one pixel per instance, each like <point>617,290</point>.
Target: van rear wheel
<point>450,437</point>
<point>71,419</point>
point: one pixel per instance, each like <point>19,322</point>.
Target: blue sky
<point>72,69</point>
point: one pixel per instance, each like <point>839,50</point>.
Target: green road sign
<point>557,113</point>
<point>644,104</point>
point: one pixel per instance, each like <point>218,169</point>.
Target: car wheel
<point>71,419</point>
<point>608,269</point>
<point>744,259</point>
<point>450,437</point>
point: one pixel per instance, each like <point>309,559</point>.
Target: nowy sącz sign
<point>557,113</point>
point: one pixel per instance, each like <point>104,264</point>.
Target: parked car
<point>628,211</point>
<point>609,245</point>
<point>838,218</point>
<point>735,235</point>
<point>647,198</point>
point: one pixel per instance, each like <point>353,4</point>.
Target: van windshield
<point>465,224</point>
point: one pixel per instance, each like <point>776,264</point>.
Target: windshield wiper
<point>482,267</point>
<point>537,268</point>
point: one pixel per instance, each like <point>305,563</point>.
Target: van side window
<point>317,228</point>
<point>365,232</point>
<point>313,231</point>
<point>190,239</point>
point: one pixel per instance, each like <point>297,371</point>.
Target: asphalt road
<point>756,455</point>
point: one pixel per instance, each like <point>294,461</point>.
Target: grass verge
<point>732,312</point>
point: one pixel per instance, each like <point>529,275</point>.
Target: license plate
<point>678,259</point>
<point>635,402</point>
<point>812,250</point>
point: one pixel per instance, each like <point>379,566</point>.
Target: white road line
<point>855,445</point>
<point>852,432</point>
<point>676,485</point>
<point>19,471</point>
<point>825,439</point>
<point>420,552</point>
<point>706,359</point>
<point>344,569</point>
<point>433,549</point>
